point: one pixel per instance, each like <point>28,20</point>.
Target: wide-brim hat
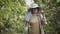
<point>34,5</point>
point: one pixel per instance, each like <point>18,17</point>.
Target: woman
<point>36,20</point>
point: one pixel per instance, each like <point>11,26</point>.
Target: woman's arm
<point>43,18</point>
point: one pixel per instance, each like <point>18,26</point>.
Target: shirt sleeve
<point>43,19</point>
<point>28,16</point>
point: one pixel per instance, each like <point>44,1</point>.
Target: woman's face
<point>35,10</point>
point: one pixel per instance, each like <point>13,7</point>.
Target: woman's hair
<point>30,10</point>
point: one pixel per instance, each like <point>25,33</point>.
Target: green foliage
<point>12,14</point>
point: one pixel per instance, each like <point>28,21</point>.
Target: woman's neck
<point>34,14</point>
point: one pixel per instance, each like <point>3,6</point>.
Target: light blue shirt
<point>28,16</point>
